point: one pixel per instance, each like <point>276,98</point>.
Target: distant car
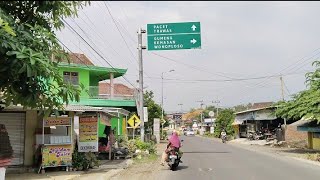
<point>190,133</point>
<point>184,131</point>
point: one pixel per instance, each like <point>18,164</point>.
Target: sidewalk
<point>107,170</point>
<point>140,171</point>
<point>95,173</point>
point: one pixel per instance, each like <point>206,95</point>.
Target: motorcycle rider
<point>223,133</point>
<point>174,143</point>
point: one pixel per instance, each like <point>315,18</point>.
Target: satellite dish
<point>211,113</point>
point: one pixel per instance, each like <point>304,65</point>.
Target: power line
<point>264,81</point>
<point>96,51</point>
<point>120,31</point>
<point>133,56</point>
<point>85,63</point>
<point>100,36</point>
<point>190,66</point>
<point>93,56</point>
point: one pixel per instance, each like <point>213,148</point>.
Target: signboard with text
<point>56,155</point>
<point>57,121</point>
<point>88,134</point>
<point>172,36</point>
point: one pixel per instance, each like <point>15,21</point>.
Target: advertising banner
<point>57,121</point>
<point>56,155</point>
<point>88,134</point>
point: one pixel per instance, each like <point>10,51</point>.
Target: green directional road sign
<point>175,41</point>
<point>171,36</point>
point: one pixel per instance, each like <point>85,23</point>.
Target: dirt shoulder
<point>308,155</point>
<point>140,169</point>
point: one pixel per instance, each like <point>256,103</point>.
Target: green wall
<point>83,78</point>
<point>114,125</point>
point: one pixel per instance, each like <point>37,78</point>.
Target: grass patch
<point>314,157</point>
<point>145,159</point>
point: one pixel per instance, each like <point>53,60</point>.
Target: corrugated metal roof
<point>81,108</point>
<point>251,110</point>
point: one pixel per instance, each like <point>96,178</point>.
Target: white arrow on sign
<point>193,41</point>
<point>193,27</point>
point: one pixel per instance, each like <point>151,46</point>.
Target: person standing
<point>6,151</point>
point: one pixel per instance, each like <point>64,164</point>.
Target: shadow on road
<point>300,151</point>
<point>200,152</point>
<point>181,168</point>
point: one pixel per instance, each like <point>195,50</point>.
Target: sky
<point>240,40</point>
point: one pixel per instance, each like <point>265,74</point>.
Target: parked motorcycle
<point>259,135</point>
<point>250,136</point>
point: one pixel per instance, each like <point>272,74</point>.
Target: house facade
<point>254,119</point>
<point>25,125</point>
<point>81,70</point>
<point>312,128</point>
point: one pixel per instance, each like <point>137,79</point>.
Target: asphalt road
<point>205,159</point>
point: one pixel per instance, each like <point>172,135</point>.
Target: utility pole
<point>140,47</point>
<point>180,107</point>
<point>162,109</point>
<point>216,102</point>
<point>201,104</point>
<point>282,93</point>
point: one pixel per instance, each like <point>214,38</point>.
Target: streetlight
<point>162,97</point>
<point>180,106</point>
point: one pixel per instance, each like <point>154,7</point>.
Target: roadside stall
<point>56,147</point>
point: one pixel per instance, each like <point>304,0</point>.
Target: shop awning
<point>237,122</point>
<point>312,126</point>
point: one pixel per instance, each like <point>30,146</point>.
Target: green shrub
<point>83,160</point>
<point>135,144</point>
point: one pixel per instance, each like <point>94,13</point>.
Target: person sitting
<point>6,151</point>
<point>173,144</point>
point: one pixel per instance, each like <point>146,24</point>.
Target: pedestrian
<point>6,151</point>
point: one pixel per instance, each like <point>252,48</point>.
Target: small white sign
<point>145,114</point>
<point>156,128</point>
<point>211,113</point>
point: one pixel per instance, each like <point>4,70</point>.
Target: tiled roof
<point>121,89</point>
<point>261,105</point>
<point>78,58</point>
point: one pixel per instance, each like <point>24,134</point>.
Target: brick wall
<point>294,136</point>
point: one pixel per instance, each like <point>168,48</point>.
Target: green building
<point>81,70</point>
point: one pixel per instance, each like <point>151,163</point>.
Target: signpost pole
<point>140,31</point>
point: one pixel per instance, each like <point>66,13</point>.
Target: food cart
<point>56,147</point>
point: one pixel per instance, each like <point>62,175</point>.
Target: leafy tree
<point>27,45</point>
<point>224,121</point>
<point>305,103</point>
<point>154,109</point>
<point>242,107</point>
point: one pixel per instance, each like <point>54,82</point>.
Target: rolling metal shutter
<point>15,125</point>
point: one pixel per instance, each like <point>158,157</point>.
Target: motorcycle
<point>250,136</point>
<point>174,159</point>
<point>224,138</point>
<point>259,135</point>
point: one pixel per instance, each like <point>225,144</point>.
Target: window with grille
<point>71,77</point>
